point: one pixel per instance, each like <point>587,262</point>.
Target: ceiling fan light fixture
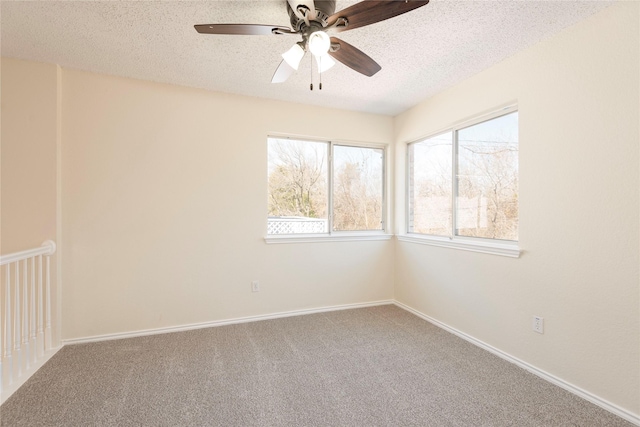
<point>310,19</point>
<point>324,63</point>
<point>293,56</point>
<point>319,43</point>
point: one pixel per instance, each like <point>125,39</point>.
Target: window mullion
<point>409,189</point>
<point>454,183</point>
<point>386,182</point>
<point>330,188</point>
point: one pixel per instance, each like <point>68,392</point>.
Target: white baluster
<point>8,326</point>
<point>48,343</point>
<point>32,313</point>
<point>17,331</point>
<point>40,335</point>
<point>3,336</point>
<point>25,316</point>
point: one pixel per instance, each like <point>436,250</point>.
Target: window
<point>463,183</point>
<point>317,187</point>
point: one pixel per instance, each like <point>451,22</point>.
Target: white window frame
<point>339,236</point>
<point>475,244</point>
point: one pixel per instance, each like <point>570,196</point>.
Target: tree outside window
<point>307,179</point>
<point>464,182</point>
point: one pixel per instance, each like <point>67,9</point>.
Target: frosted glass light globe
<point>293,56</point>
<point>319,43</point>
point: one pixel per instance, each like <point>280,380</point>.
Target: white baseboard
<point>622,413</point>
<point>6,393</point>
<point>202,325</point>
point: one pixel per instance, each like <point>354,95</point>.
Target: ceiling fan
<point>313,20</point>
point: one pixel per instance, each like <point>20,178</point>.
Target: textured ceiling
<point>421,52</point>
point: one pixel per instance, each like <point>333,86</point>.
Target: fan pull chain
<point>319,59</point>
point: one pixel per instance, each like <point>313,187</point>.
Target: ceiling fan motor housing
<point>324,9</point>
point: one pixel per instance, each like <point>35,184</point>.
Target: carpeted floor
<point>379,366</point>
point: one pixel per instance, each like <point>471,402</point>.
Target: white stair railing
<point>25,315</point>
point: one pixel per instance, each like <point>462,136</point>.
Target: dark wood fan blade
<point>370,11</point>
<point>243,29</point>
<point>354,58</point>
<point>283,72</point>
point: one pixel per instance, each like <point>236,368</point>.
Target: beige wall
<point>30,123</point>
<point>165,203</point>
<point>579,134</point>
<point>29,135</point>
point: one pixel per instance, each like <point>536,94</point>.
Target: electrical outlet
<point>538,324</point>
<point>255,286</point>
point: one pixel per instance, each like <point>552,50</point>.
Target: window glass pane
<point>297,186</point>
<point>487,179</point>
<point>430,188</point>
<point>357,188</point>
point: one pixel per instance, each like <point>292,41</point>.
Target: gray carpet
<point>379,366</point>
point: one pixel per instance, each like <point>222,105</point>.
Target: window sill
<point>310,238</point>
<point>503,249</point>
